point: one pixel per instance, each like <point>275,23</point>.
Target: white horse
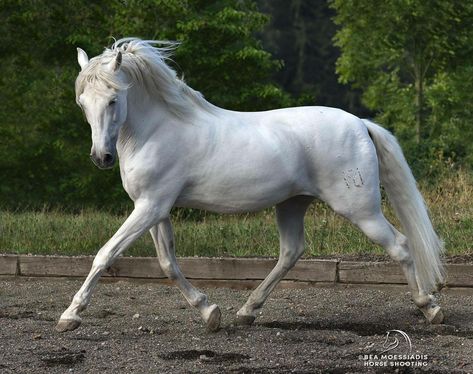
<point>177,149</point>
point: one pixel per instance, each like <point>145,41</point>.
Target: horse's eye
<point>112,102</point>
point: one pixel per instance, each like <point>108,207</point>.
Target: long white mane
<point>146,67</point>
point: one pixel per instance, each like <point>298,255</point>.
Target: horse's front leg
<point>140,220</point>
<point>163,238</point>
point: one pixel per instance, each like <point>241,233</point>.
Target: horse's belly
<point>226,206</point>
<point>239,198</point>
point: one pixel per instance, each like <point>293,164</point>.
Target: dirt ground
<point>135,327</point>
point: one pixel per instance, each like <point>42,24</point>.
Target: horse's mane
<point>145,65</point>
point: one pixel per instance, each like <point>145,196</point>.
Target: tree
<point>44,159</point>
<point>450,99</point>
<point>397,51</point>
<point>300,33</point>
<point>219,54</point>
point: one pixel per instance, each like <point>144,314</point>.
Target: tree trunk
<point>419,104</point>
<point>300,43</point>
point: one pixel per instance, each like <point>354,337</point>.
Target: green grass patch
<point>56,232</point>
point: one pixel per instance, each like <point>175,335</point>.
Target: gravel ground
<point>148,328</point>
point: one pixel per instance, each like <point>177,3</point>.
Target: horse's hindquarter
<point>343,161</point>
<point>255,160</point>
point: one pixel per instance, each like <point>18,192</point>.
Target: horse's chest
<point>130,187</point>
<point>131,181</point>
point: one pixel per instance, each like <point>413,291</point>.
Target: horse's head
<point>101,93</point>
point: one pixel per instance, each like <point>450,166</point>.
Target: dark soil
<point>148,328</point>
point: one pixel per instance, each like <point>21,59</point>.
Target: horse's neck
<point>147,115</point>
<point>144,115</point>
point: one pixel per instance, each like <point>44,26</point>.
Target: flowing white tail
<point>400,185</point>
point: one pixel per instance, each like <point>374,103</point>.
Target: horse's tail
<point>400,185</point>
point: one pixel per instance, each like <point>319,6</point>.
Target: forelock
<point>98,76</point>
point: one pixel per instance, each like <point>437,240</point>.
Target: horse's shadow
<point>457,323</point>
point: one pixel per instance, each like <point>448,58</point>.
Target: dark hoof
<point>67,325</point>
<point>245,320</point>
<point>213,322</point>
<point>437,317</point>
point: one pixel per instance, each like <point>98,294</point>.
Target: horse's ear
<point>115,63</point>
<point>82,58</point>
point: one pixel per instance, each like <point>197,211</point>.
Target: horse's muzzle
<point>105,161</point>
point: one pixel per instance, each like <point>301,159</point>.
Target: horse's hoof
<point>213,318</point>
<point>436,316</point>
<point>245,320</point>
<point>67,325</point>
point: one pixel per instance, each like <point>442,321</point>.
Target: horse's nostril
<point>108,158</point>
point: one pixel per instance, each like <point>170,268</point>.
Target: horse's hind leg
<point>163,238</point>
<point>380,231</point>
<point>290,220</point>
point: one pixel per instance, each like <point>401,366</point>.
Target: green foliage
<point>450,98</point>
<point>219,54</point>
<point>300,33</point>
<point>45,156</point>
<point>411,58</point>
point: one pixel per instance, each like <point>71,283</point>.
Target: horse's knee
<point>101,262</point>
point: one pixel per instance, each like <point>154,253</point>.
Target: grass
<point>55,232</point>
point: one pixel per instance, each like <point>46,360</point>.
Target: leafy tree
<point>44,157</point>
<point>406,55</point>
<point>450,99</point>
<point>219,54</point>
<point>300,33</point>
